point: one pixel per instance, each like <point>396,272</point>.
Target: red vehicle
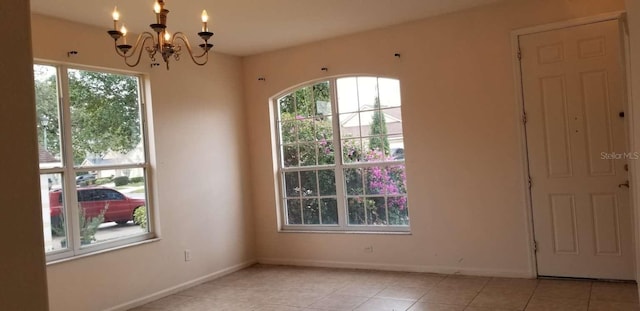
<point>93,200</point>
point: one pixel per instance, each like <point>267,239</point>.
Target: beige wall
<point>23,284</point>
<point>462,138</point>
<point>200,176</point>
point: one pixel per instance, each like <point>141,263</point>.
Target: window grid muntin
<point>343,221</point>
<point>68,168</point>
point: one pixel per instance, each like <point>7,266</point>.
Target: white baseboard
<point>180,287</point>
<point>396,267</point>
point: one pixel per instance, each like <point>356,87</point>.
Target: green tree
<point>378,131</point>
<point>104,113</point>
<point>47,112</point>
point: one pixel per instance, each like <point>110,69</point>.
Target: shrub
<point>121,180</point>
<point>140,217</point>
<point>88,225</point>
<point>102,181</point>
<point>136,180</point>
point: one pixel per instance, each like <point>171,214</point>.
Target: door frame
<point>619,16</point>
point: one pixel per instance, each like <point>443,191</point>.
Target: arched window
<point>341,156</point>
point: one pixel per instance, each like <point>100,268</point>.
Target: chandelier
<point>161,43</point>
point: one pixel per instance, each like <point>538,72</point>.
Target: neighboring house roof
<point>136,155</point>
<point>45,156</point>
<point>352,124</point>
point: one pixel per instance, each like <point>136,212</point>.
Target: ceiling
<point>244,27</point>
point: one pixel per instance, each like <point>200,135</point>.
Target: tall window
<point>342,156</point>
<point>93,159</point>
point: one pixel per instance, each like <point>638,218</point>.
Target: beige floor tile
<point>428,306</point>
<point>282,288</point>
<point>557,304</point>
<point>450,296</point>
<point>275,308</point>
<point>563,289</point>
<point>294,299</point>
<point>486,309</point>
<point>613,306</point>
<point>418,280</point>
<point>143,308</point>
<point>530,284</point>
<point>202,290</point>
<point>364,290</point>
<point>383,304</point>
<point>338,302</point>
<point>463,283</point>
<point>398,292</point>
<point>169,302</point>
<point>511,301</point>
<point>618,292</point>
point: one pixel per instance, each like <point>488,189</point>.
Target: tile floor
<point>282,288</point>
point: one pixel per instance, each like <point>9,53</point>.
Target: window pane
<point>397,180</point>
<point>53,212</point>
<point>350,125</point>
<point>289,132</point>
<point>351,150</point>
<point>389,90</point>
<point>393,120</point>
<point>292,184</point>
<point>311,211</point>
<point>398,211</point>
<point>308,156</point>
<point>306,130</point>
<point>287,107</point>
<point>377,181</point>
<point>47,116</point>
<point>329,211</point>
<point>347,95</point>
<point>305,105</point>
<point>113,207</point>
<point>353,180</point>
<point>309,183</point>
<point>396,144</point>
<point>327,182</point>
<point>294,212</point>
<point>355,207</point>
<point>367,92</point>
<point>290,155</point>
<point>322,98</point>
<point>376,211</point>
<point>105,119</point>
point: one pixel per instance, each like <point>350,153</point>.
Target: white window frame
<point>338,167</point>
<point>68,170</point>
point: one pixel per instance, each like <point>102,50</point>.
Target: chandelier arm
<point>138,47</point>
<point>182,37</point>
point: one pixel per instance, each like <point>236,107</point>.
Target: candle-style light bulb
<point>205,18</point>
<point>123,30</point>
<point>167,36</point>
<point>157,9</point>
<point>116,17</point>
<point>115,14</point>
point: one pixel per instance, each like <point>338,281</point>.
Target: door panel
<point>572,83</point>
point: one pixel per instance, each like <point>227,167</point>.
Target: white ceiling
<point>244,27</point>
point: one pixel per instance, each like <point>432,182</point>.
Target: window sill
<point>71,258</point>
<point>345,232</point>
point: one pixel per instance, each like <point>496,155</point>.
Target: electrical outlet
<point>187,255</point>
<point>368,249</point>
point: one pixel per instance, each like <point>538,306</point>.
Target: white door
<point>573,88</point>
